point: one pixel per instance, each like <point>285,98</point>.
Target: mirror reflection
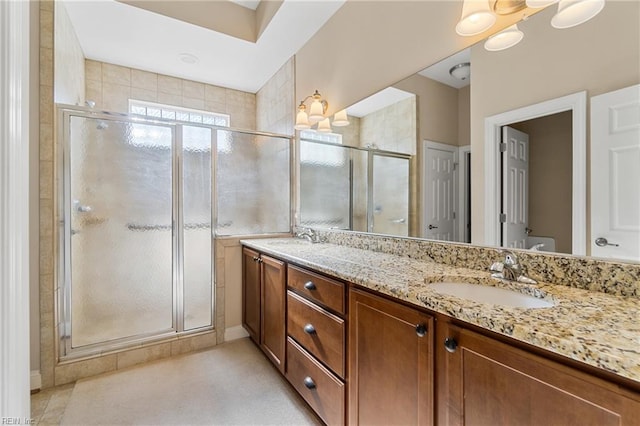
<point>449,152</point>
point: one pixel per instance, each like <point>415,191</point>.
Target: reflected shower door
<point>120,247</point>
<point>389,209</point>
<point>325,175</point>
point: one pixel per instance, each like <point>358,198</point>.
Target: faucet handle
<point>510,258</point>
<point>496,267</point>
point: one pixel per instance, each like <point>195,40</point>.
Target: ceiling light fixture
<point>188,58</point>
<point>461,71</point>
<point>317,112</point>
<point>480,15</point>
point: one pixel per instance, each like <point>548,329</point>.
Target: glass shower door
<point>120,245</point>
<point>389,209</point>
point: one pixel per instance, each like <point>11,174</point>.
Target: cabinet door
<point>490,383</point>
<point>251,293</point>
<point>273,309</point>
<point>390,362</point>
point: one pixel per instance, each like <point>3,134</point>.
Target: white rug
<point>232,384</point>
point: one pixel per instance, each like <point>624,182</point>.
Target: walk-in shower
<point>360,189</point>
<point>137,198</point>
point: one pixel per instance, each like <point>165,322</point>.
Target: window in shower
<point>170,112</point>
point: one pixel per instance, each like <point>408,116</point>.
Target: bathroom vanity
<point>368,341</point>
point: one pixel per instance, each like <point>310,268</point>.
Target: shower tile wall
<point>111,86</point>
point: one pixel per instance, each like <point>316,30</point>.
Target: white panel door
<point>615,174</point>
<point>515,187</point>
<point>439,192</point>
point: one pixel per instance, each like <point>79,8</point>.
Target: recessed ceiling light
<point>188,58</point>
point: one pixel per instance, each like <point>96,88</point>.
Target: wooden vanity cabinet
<point>390,362</point>
<point>263,303</point>
<point>488,382</point>
<point>316,350</point>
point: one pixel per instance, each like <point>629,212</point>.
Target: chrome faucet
<point>308,234</point>
<point>510,269</point>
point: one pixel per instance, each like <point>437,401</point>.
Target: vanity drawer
<point>317,330</point>
<point>324,392</point>
<point>323,290</point>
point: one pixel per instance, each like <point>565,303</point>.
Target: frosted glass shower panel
<point>119,208</point>
<point>390,195</point>
<point>197,252</point>
<point>252,184</point>
<point>325,179</point>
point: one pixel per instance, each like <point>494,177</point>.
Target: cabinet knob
<point>421,330</point>
<point>255,258</point>
<point>450,344</point>
<point>309,329</point>
<point>309,383</point>
<point>259,260</point>
<point>309,285</point>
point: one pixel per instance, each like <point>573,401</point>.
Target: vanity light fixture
<point>505,39</point>
<point>480,15</point>
<point>575,12</point>
<point>317,112</point>
<point>476,18</point>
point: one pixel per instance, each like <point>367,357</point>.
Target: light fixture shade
<point>340,118</point>
<point>476,18</point>
<point>575,12</point>
<point>302,121</point>
<point>316,113</point>
<point>461,71</point>
<point>505,39</point>
<point>538,4</point>
<point>324,126</point>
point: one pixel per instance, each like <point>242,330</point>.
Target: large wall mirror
<point>539,95</point>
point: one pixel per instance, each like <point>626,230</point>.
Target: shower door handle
<point>433,227</point>
<point>81,208</point>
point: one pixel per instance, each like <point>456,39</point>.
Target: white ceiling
<point>121,34</point>
<point>249,4</point>
<point>440,71</point>
<point>377,101</point>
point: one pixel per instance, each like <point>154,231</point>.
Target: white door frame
<point>425,160</point>
<point>14,213</point>
<point>577,103</point>
<point>461,211</point>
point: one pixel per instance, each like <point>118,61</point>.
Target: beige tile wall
<point>111,86</point>
<point>47,329</point>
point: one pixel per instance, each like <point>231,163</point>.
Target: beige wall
<point>599,56</point>
<point>111,86</point>
<point>464,116</point>
<point>550,157</point>
<point>275,101</point>
<point>381,42</point>
<point>69,60</point>
<point>437,108</point>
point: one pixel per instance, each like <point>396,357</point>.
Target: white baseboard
<point>235,333</point>
<point>36,379</point>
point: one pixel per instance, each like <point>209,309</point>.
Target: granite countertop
<point>595,328</point>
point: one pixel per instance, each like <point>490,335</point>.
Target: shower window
<point>170,112</point>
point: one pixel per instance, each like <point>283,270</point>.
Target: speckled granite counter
<point>595,328</point>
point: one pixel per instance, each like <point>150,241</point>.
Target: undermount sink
<point>488,294</point>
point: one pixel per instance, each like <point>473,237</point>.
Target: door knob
<point>602,242</point>
<point>433,227</point>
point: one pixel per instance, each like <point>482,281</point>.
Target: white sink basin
<point>488,294</point>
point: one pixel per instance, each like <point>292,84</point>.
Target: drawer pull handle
<point>309,285</point>
<point>450,344</point>
<point>309,329</point>
<point>309,383</point>
<point>421,330</point>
